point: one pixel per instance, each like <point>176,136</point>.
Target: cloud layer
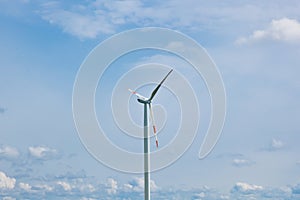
<point>81,189</point>
<point>92,19</point>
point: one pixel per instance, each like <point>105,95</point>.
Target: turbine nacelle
<point>147,101</point>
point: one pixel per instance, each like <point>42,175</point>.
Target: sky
<point>256,47</point>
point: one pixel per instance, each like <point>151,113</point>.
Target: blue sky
<point>256,46</point>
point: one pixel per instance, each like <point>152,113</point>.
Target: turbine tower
<point>147,103</point>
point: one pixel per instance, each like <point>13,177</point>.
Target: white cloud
<point>90,19</point>
<point>84,26</point>
<point>87,187</point>
<point>246,188</point>
<point>42,152</point>
<point>8,152</point>
<point>285,29</point>
<point>81,21</point>
<point>25,186</point>
<point>112,186</point>
<point>43,187</point>
<point>105,17</point>
<point>241,162</point>
<point>276,144</point>
<point>153,185</point>
<point>66,186</point>
<point>277,193</point>
<point>127,187</point>
<point>250,192</point>
<point>137,185</point>
<point>200,195</point>
<point>6,182</point>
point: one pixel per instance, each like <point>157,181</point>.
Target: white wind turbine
<point>147,102</point>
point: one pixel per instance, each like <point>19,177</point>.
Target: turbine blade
<point>137,94</point>
<point>158,86</point>
<point>153,124</point>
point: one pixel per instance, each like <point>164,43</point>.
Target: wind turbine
<point>147,103</point>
